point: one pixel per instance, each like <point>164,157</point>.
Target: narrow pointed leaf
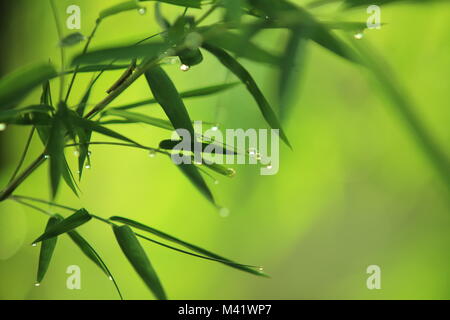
<point>136,117</point>
<point>201,92</point>
<point>192,173</point>
<point>68,224</point>
<point>46,253</point>
<point>183,3</point>
<point>185,244</point>
<point>153,49</point>
<point>16,85</point>
<point>168,97</point>
<point>68,178</point>
<point>11,114</point>
<point>55,150</point>
<point>240,72</point>
<point>136,256</point>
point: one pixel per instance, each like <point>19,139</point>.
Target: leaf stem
<point>59,31</point>
<point>22,158</point>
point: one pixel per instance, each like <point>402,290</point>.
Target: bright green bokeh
<point>355,190</point>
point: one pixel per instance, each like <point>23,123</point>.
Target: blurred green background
<point>354,192</point>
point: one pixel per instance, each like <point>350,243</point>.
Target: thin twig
<point>22,158</point>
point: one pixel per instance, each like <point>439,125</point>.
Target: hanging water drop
<point>231,172</point>
<point>46,156</point>
<point>142,11</point>
<point>88,166</point>
<point>2,126</point>
<point>89,153</point>
<point>34,244</point>
<point>110,278</point>
<point>37,284</point>
<point>76,153</point>
<point>261,269</point>
<point>252,151</point>
<point>224,212</point>
<point>358,36</point>
<point>152,153</point>
<point>269,167</point>
<point>215,127</point>
<point>184,67</point>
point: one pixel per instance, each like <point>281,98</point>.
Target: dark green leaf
<point>68,178</point>
<point>46,253</point>
<point>171,144</point>
<point>233,10</point>
<point>183,3</point>
<point>240,72</point>
<point>136,117</point>
<point>192,173</point>
<point>94,126</point>
<point>98,67</point>
<point>187,94</point>
<point>168,97</point>
<point>153,49</point>
<point>68,224</point>
<point>136,256</point>
<point>185,244</point>
<point>16,85</point>
<point>55,150</point>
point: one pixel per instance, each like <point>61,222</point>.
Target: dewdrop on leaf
<point>142,11</point>
<point>358,36</point>
<point>37,284</point>
<point>152,153</point>
<point>184,67</point>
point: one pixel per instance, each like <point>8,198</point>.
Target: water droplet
<point>34,244</point>
<point>184,67</point>
<point>89,153</point>
<point>2,126</point>
<point>252,151</point>
<point>258,156</point>
<point>142,11</point>
<point>231,172</point>
<point>110,278</point>
<point>224,212</point>
<point>76,153</point>
<point>88,166</point>
<point>46,156</point>
<point>269,167</point>
<point>358,36</point>
<point>261,269</point>
<point>215,127</point>
<point>152,153</point>
<point>37,284</point>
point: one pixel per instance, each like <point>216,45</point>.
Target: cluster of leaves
<point>60,125</point>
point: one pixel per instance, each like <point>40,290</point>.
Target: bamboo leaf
<point>98,67</point>
<point>153,49</point>
<point>77,219</point>
<point>201,92</point>
<point>192,173</point>
<point>11,114</point>
<point>68,178</point>
<point>240,72</point>
<point>16,85</point>
<point>46,253</point>
<point>72,39</point>
<point>136,117</point>
<point>55,150</point>
<point>168,144</point>
<point>183,3</point>
<point>118,8</point>
<point>168,97</point>
<point>94,126</point>
<point>136,256</point>
<point>185,244</point>
<point>233,10</point>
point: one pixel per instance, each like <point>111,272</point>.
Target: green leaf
<point>72,39</point>
<point>183,3</point>
<point>185,244</point>
<point>220,169</point>
<point>46,253</point>
<point>153,49</point>
<point>136,256</point>
<point>192,173</point>
<point>77,219</point>
<point>55,150</point>
<point>98,67</point>
<point>233,11</point>
<point>201,92</point>
<point>11,114</point>
<point>68,178</point>
<point>240,72</point>
<point>171,144</point>
<point>84,137</point>
<point>168,97</point>
<point>136,117</point>
<point>118,8</point>
<point>16,85</point>
<point>94,126</point>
